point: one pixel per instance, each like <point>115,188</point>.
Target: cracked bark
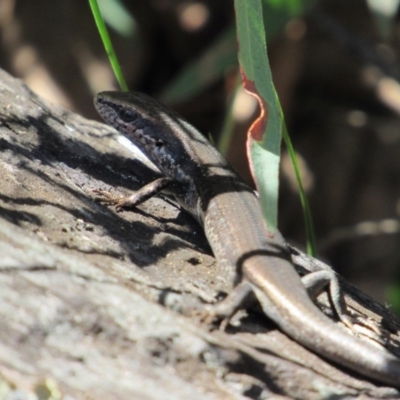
<point>100,304</point>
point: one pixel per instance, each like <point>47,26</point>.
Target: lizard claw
<point>109,198</point>
<point>208,316</point>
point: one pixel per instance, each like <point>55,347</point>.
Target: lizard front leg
<point>143,194</point>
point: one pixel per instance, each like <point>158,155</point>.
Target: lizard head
<point>151,126</point>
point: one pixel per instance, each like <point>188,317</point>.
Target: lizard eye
<point>128,115</point>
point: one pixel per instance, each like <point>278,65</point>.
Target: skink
<point>208,188</point>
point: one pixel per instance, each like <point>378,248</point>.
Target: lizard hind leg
<point>316,282</point>
<point>240,297</point>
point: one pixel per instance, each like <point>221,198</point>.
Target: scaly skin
<point>208,188</point>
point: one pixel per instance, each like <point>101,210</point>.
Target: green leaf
<point>264,136</point>
<point>101,26</point>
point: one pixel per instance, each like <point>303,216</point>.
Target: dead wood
<point>99,305</point>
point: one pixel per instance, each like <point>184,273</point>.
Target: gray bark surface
<point>96,304</point>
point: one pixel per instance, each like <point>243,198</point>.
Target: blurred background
<point>336,68</point>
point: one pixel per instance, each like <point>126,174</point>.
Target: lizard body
<point>230,214</point>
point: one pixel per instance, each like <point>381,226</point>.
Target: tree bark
<point>105,305</point>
